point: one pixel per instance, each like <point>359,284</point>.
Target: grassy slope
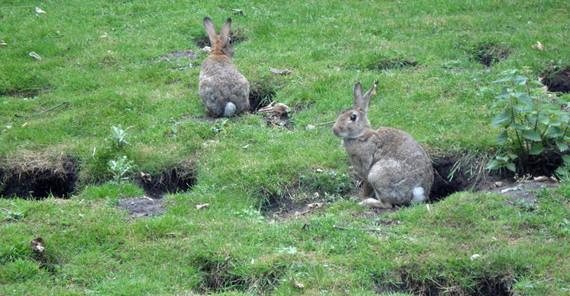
<point>445,102</point>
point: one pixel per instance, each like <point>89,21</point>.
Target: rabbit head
<point>353,123</point>
<point>221,44</point>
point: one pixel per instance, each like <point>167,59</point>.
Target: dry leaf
<point>297,284</point>
<point>39,10</point>
<point>38,245</point>
<point>280,72</point>
<point>538,46</point>
<point>104,35</point>
<point>202,206</point>
<point>2,43</point>
<point>315,205</point>
<point>35,55</point>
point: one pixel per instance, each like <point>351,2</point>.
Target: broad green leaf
<point>502,137</point>
<point>526,100</point>
<point>493,165</point>
<point>520,80</point>
<point>511,166</point>
<point>505,79</point>
<point>566,159</point>
<point>544,118</point>
<point>501,120</point>
<point>561,144</point>
<point>532,135</point>
<point>554,132</point>
<point>536,149</point>
<point>520,127</point>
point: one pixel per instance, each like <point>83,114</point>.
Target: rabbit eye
<point>353,117</point>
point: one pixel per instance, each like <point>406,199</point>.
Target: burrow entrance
<point>492,286</point>
<point>37,177</point>
<point>178,178</point>
<point>40,176</point>
<point>489,53</point>
<point>556,79</point>
<point>452,173</point>
<point>219,275</point>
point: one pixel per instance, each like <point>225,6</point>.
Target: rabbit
<point>223,89</point>
<point>394,168</point>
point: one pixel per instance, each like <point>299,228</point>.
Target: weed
<point>118,137</point>
<point>532,123</point>
<point>119,168</point>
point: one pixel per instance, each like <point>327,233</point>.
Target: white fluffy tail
<point>419,196</point>
<point>230,109</point>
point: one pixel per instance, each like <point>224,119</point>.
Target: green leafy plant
<point>532,122</point>
<point>120,168</point>
<point>118,136</point>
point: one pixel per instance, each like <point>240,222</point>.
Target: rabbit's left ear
<point>369,94</point>
<point>225,30</point>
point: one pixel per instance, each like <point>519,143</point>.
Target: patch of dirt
<point>180,177</point>
<point>489,53</point>
<point>556,79</point>
<point>142,206</point>
<point>391,64</point>
<point>24,92</point>
<point>177,55</point>
<point>37,176</point>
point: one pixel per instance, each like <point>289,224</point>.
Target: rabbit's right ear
<point>210,30</point>
<point>358,100</point>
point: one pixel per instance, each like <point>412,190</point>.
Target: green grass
<point>430,84</point>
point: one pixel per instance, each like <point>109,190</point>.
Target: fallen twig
<point>363,229</point>
<point>44,111</point>
<point>324,123</point>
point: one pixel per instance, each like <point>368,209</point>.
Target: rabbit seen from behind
<point>223,89</point>
<point>394,168</point>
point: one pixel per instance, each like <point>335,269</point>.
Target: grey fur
<point>220,81</point>
<point>389,161</point>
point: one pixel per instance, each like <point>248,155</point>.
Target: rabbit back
<point>221,82</point>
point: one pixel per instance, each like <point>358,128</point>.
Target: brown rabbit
<point>224,91</point>
<point>393,166</point>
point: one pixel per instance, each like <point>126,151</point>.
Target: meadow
<point>99,113</point>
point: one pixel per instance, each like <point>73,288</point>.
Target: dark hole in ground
<point>36,177</point>
<point>261,94</point>
<point>24,92</point>
<point>391,64</point>
<point>489,53</point>
<point>219,275</point>
<point>311,192</point>
<point>492,286</point>
<point>556,79</point>
<point>180,177</point>
<point>236,36</point>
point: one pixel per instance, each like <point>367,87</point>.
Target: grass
<point>104,59</point>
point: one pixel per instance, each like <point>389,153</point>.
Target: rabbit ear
<point>225,30</point>
<point>363,102</point>
<point>358,101</point>
<point>369,93</point>
<point>210,29</point>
